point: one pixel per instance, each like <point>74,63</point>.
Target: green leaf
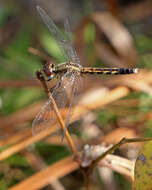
<point>143,168</point>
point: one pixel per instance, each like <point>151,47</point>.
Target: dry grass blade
<point>37,163</point>
<point>113,7</point>
<point>119,39</point>
<point>25,143</point>
<point>92,152</point>
<point>141,82</point>
<point>18,83</point>
<point>113,148</point>
<point>92,101</point>
<point>136,12</point>
<point>116,135</point>
<point>21,116</point>
<point>39,53</point>
<point>57,112</point>
<point>120,50</point>
<point>66,166</point>
<point>19,136</point>
<point>120,165</point>
<point>62,124</point>
<point>49,174</point>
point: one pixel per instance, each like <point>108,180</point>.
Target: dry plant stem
<point>121,142</point>
<point>113,7</point>
<point>67,135</point>
<point>49,174</point>
<point>79,110</point>
<point>37,163</point>
<point>38,53</point>
<point>87,171</point>
<point>18,83</point>
<point>86,178</point>
<point>87,183</point>
<point>120,165</point>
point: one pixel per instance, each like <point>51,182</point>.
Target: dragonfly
<point>68,74</point>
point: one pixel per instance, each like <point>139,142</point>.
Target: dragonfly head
<point>48,69</point>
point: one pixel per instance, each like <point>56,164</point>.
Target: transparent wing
<point>62,94</point>
<point>64,41</point>
<point>75,84</point>
<point>71,50</point>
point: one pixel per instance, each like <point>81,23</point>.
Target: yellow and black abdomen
<point>109,71</point>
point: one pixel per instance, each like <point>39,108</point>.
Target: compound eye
<point>47,70</point>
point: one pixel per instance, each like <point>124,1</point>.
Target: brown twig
<point>113,148</point>
<point>119,164</point>
<point>18,83</point>
<point>37,163</point>
<point>21,116</point>
<point>59,117</point>
<point>38,53</point>
<point>67,135</point>
<point>55,171</point>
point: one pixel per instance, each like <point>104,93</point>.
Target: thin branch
<point>39,53</point>
<point>62,124</point>
<point>49,174</point>
<point>113,148</point>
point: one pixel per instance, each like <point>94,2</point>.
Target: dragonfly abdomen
<point>109,71</point>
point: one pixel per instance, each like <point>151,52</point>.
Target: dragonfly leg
<point>41,78</point>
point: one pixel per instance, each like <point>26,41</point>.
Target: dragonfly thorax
<point>48,69</point>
